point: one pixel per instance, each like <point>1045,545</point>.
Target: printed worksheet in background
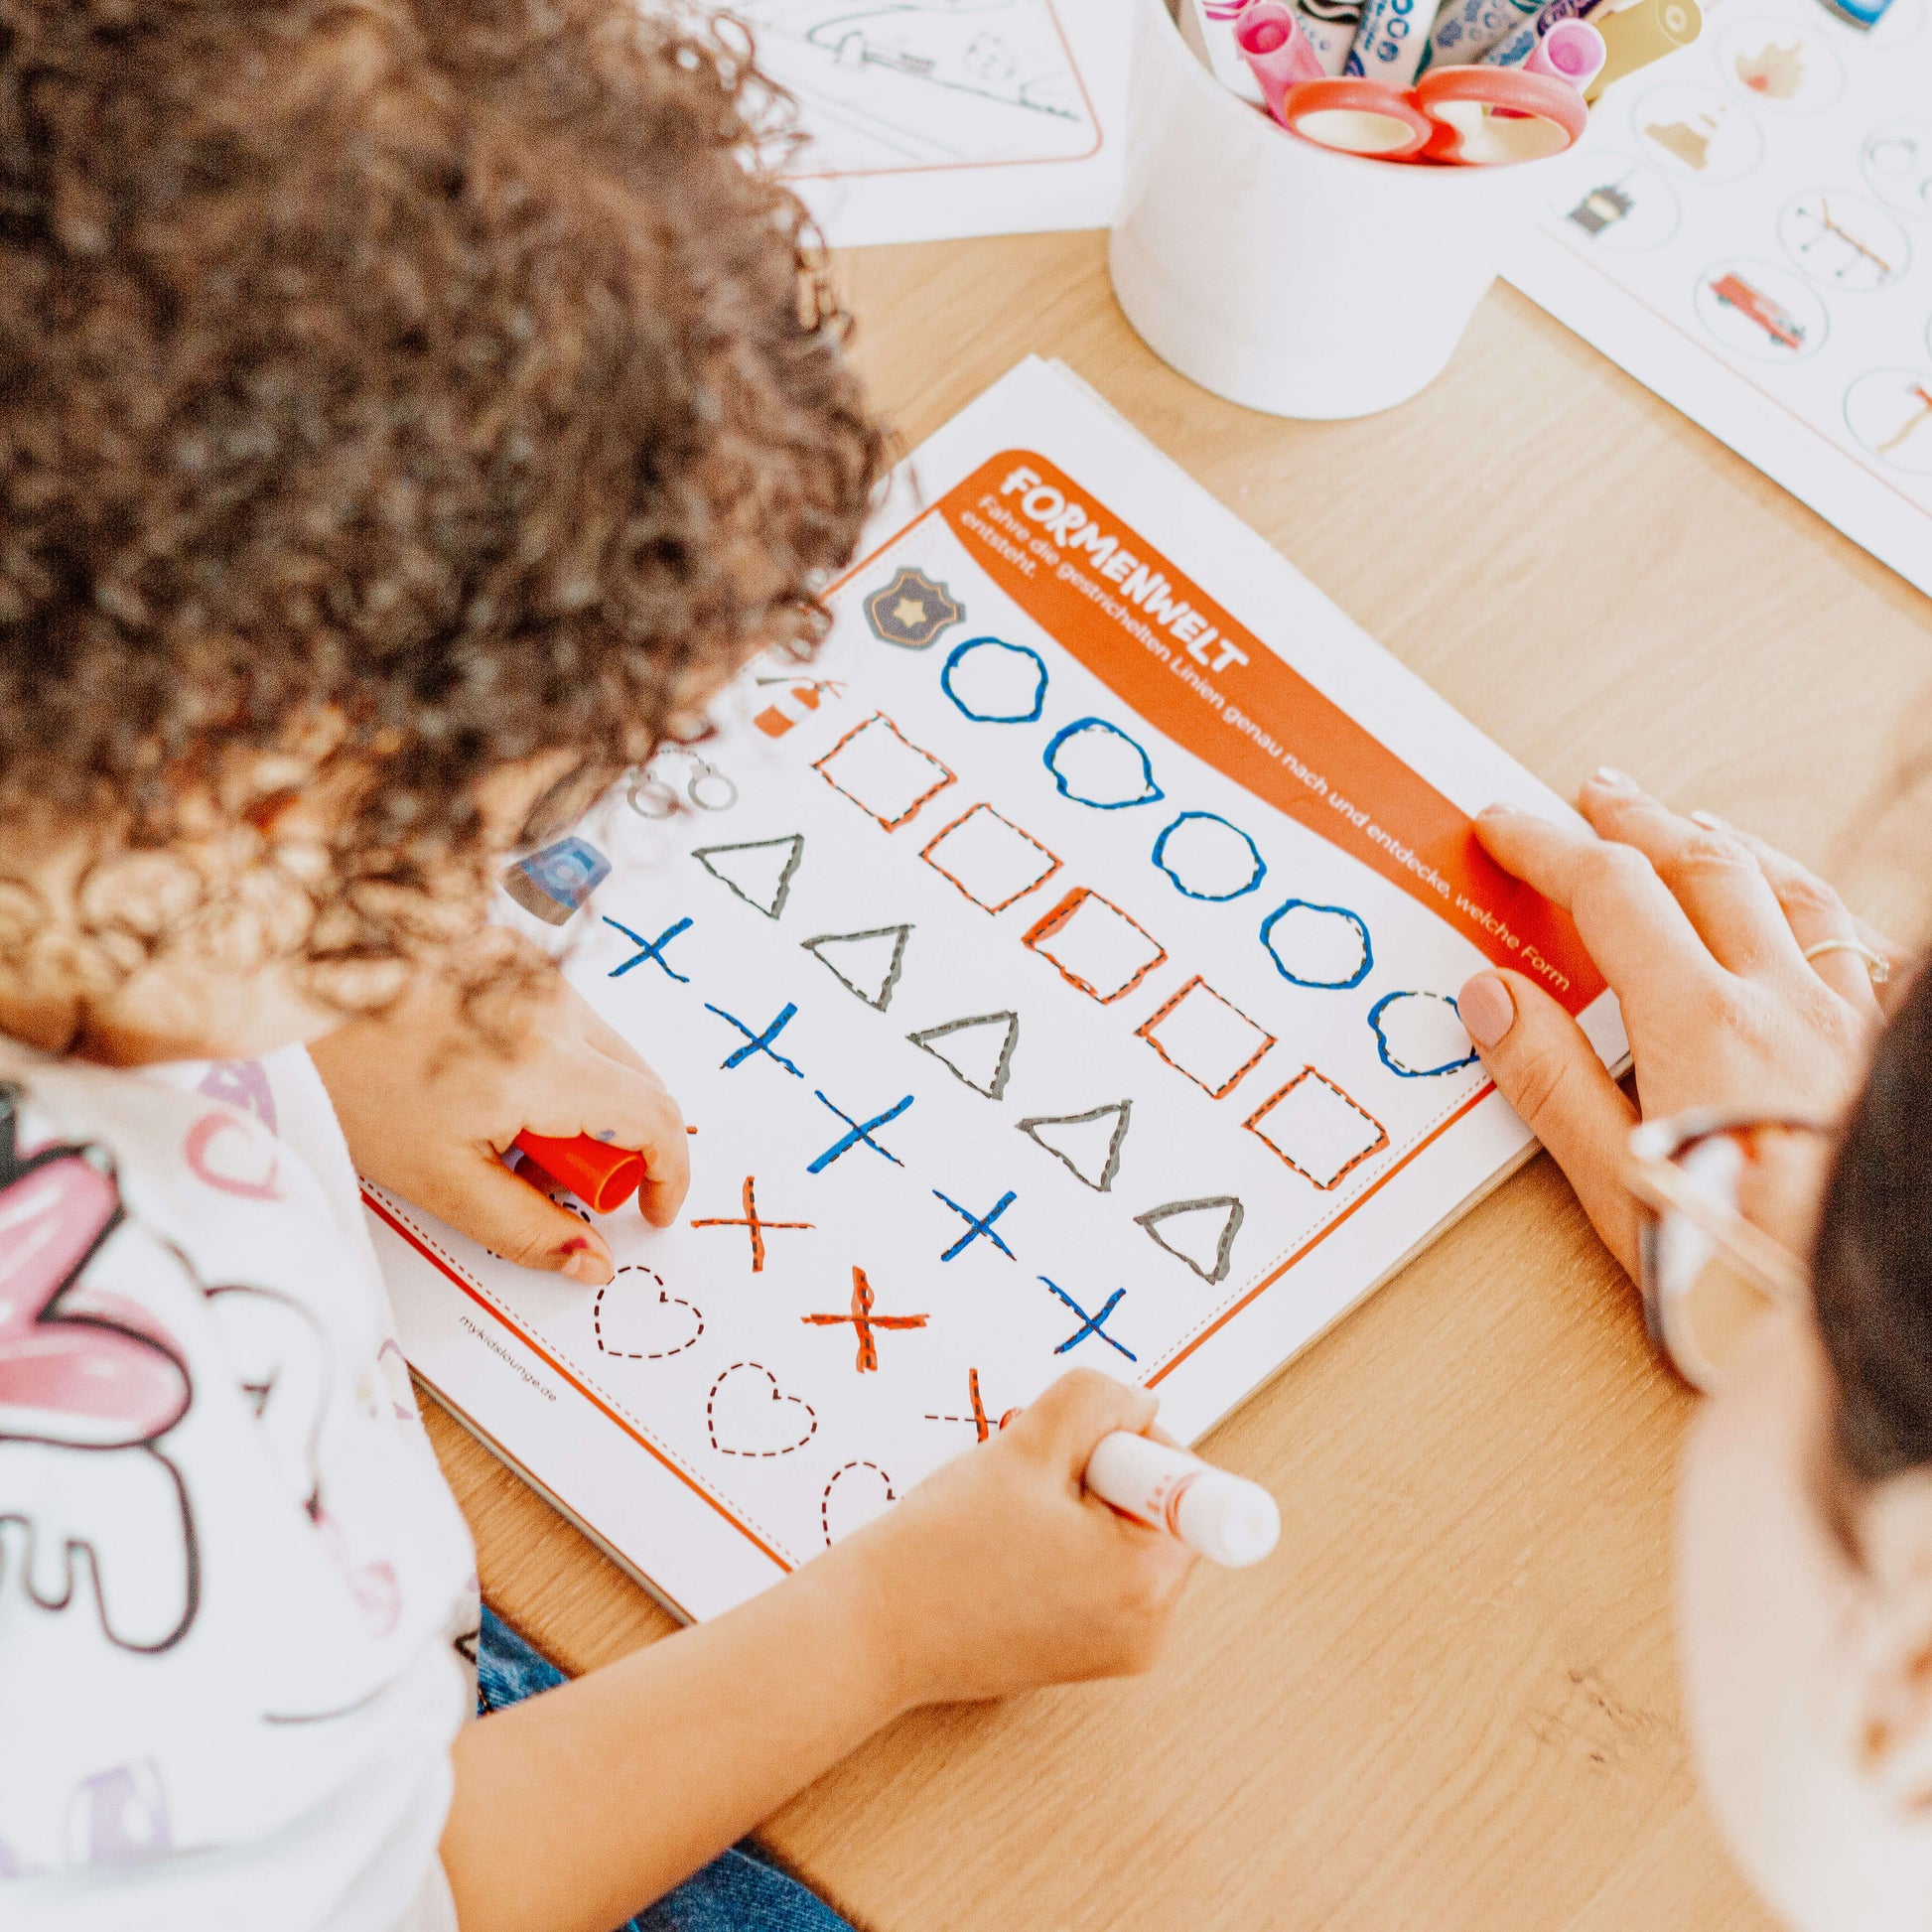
<point>1747,229</point>
<point>1057,971</point>
<point>934,119</point>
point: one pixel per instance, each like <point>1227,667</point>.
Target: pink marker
<point>1572,51</point>
<point>1276,49</point>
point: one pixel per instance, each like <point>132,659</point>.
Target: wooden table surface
<point>1450,1700</point>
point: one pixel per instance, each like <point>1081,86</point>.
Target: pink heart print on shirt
<point>79,1381</point>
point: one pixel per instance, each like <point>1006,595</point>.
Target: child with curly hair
<point>411,415</point>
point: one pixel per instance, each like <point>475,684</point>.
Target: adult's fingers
<point>1549,1073</point>
<point>473,1191</point>
<point>1717,882</point>
<point>1817,916</point>
<point>1062,1425</point>
<point>1625,915</point>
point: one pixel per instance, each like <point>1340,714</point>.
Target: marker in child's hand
<point>1219,1515</point>
<point>602,1176</point>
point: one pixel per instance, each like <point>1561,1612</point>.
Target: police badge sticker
<point>911,611</point>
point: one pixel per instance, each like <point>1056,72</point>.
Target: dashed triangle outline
<point>925,1036</point>
<point>797,840</point>
<point>1124,1108</point>
<point>885,999</point>
<point>1224,1249</point>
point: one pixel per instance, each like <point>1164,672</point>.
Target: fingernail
<point>1497,811</point>
<point>1487,1011</point>
<point>1710,821</point>
<point>585,1265</point>
<point>1612,779</point>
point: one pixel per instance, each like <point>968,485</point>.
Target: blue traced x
<point>652,949</point>
<point>860,1134</point>
<point>978,1224</point>
<point>1091,1325</point>
<point>759,1043</point>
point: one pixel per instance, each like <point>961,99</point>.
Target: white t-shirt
<point>237,1601</point>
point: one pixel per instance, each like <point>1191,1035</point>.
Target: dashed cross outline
<point>1091,1325</point>
<point>978,1224</point>
<point>861,1133</point>
<point>864,1322</point>
<point>752,1220</point>
<point>756,1042</point>
<point>652,949</point>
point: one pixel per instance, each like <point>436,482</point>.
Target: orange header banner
<point>1163,646</point>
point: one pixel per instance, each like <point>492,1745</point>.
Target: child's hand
<point>427,1106</point>
<point>1700,932</point>
<point>999,1574</point>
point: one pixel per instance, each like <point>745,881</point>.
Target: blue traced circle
<point>1382,1040</point>
<point>1079,724</point>
<point>1218,898</point>
<point>987,717</point>
<point>1340,912</point>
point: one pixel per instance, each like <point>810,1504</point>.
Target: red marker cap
<point>600,1175</point>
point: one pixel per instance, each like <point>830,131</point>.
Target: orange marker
<point>598,1174</point>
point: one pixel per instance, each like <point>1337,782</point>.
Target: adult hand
<point>1701,930</point>
<point>426,1103</point>
<point>1000,1572</point>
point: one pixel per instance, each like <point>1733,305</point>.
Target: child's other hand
<point>426,1105</point>
<point>999,1574</point>
<point>1701,930</point>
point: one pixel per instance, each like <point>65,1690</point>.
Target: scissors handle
<point>1358,116</point>
<point>1487,117</point>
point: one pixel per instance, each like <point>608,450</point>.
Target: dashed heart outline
<point>777,1395</point>
<point>665,1298</point>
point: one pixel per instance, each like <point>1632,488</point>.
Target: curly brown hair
<point>458,373</point>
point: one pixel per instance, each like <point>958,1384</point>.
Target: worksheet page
<point>934,119</point>
<point>1057,971</point>
<point>1747,229</point>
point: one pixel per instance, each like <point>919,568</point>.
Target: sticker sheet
<point>934,119</point>
<point>1747,229</point>
<point>1057,971</point>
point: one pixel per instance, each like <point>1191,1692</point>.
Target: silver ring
<point>659,794</point>
<point>1877,967</point>
<point>709,773</point>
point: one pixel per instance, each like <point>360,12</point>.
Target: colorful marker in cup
<point>1572,51</point>
<point>1330,27</point>
<point>1219,1515</point>
<point>1391,41</point>
<point>1276,49</point>
<point>1519,42</point>
<point>1465,30</point>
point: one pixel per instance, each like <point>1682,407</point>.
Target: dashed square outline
<point>939,837</point>
<point>1144,1031</point>
<point>1045,927</point>
<point>1281,1094</point>
<point>912,811</point>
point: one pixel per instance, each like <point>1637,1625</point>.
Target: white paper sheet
<point>934,119</point>
<point>1747,229</point>
<point>1030,1037</point>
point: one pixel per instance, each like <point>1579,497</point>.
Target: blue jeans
<point>737,1891</point>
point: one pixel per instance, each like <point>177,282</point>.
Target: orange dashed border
<point>1274,1099</point>
<point>911,811</point>
<point>1034,940</point>
<point>1146,1031</point>
<point>938,837</point>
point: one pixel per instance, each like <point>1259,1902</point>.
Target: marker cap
<point>603,1177</point>
<point>1228,1520</point>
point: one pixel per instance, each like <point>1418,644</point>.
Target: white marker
<point>1224,1517</point>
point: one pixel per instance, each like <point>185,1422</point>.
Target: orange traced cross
<point>864,1322</point>
<point>750,1221</point>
